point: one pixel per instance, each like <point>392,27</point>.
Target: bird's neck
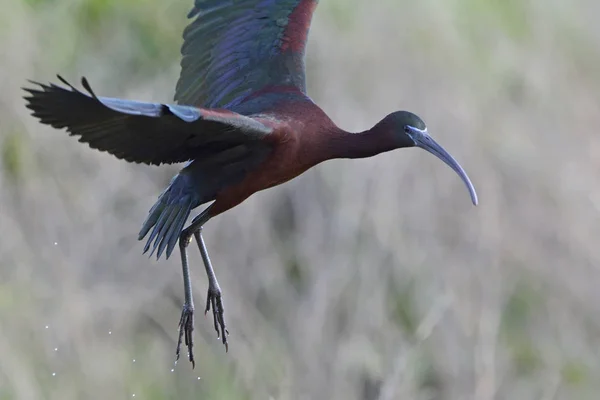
<point>343,144</point>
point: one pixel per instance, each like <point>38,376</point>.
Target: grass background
<point>370,279</point>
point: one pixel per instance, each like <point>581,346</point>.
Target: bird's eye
<point>407,129</point>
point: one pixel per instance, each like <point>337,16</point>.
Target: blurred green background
<point>370,279</point>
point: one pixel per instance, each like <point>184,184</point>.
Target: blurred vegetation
<point>370,279</point>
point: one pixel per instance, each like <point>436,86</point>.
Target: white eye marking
<point>411,129</point>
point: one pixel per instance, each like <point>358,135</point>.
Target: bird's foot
<point>186,327</point>
<point>214,300</point>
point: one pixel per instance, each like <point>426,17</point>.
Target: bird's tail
<point>167,216</point>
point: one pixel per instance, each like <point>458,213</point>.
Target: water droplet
<point>134,360</point>
<point>47,327</point>
<point>56,243</point>
<point>133,395</point>
<point>172,369</point>
<point>54,374</point>
<point>110,332</point>
<point>199,378</point>
<point>56,349</point>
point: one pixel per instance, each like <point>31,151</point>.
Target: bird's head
<point>409,130</point>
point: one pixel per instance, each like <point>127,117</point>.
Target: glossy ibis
<point>243,123</point>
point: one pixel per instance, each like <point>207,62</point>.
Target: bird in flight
<point>242,122</point>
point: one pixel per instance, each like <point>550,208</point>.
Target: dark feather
<point>143,132</point>
<point>235,48</point>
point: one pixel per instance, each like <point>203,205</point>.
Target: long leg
<point>186,323</point>
<point>213,298</point>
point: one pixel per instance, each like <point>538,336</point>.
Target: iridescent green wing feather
<point>236,47</point>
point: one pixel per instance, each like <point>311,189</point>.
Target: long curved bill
<point>426,142</point>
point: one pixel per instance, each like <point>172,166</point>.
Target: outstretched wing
<point>236,47</point>
<point>150,133</point>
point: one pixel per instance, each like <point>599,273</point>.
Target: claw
<point>214,301</point>
<point>186,327</point>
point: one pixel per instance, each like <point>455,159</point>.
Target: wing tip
<point>193,12</point>
<point>86,86</point>
<point>45,87</point>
